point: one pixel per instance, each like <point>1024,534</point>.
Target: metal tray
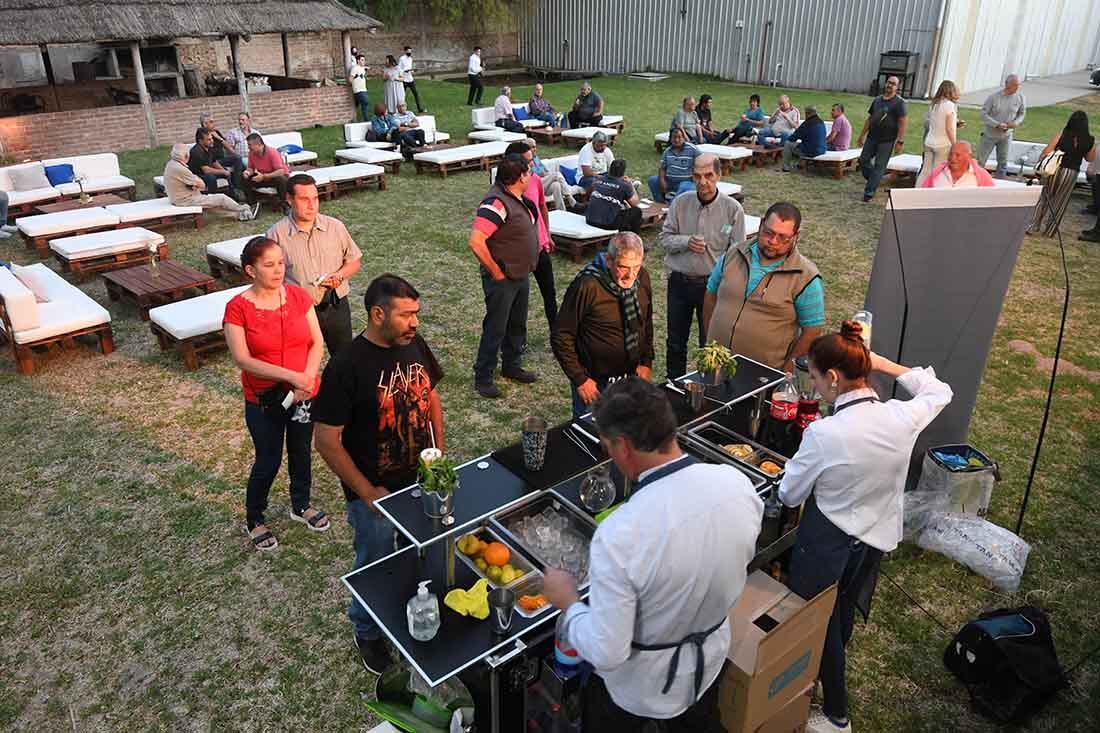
<point>531,585</point>
<point>714,436</point>
<point>517,560</point>
<point>577,521</point>
<point>714,454</point>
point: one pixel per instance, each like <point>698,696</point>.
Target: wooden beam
<point>49,75</point>
<point>143,94</point>
<point>345,44</point>
<point>286,55</point>
<point>234,41</point>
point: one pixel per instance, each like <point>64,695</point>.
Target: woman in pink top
<point>274,338</point>
<point>544,270</point>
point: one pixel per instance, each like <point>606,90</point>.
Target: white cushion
<point>159,182</point>
<point>725,152</point>
<point>661,137</point>
<point>229,250</point>
<point>431,135</point>
<point>839,156</point>
<point>111,241</point>
<point>278,139</point>
<point>64,222</point>
<point>37,195</point>
<point>93,185</point>
<point>554,165</point>
<point>462,153</point>
<point>728,188</point>
<point>30,279</point>
<point>483,118</point>
<point>29,178</point>
<point>319,175</point>
<point>586,133</point>
<point>68,309</point>
<point>752,225</point>
<point>150,209</point>
<point>611,119</point>
<point>369,155</point>
<point>368,144</point>
<point>305,156</point>
<point>195,316</point>
<point>5,177</point>
<point>497,133</point>
<point>19,301</point>
<point>568,224</point>
<point>1002,183</point>
<point>905,163</point>
<point>350,171</point>
<point>98,165</point>
<point>356,131</point>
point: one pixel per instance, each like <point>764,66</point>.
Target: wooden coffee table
<point>548,134</point>
<point>761,156</point>
<point>101,199</point>
<point>141,287</point>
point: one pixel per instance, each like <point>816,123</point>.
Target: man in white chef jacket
<point>665,569</point>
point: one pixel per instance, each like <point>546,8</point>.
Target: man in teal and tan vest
<point>764,299</point>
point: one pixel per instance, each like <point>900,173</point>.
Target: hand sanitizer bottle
<point>423,614</point>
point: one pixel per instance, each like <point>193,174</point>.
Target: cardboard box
<point>792,718</point>
<point>775,651</point>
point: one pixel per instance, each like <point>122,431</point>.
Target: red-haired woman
<point>273,335</point>
<point>850,471</point>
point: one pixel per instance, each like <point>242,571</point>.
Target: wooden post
<point>143,94</point>
<point>49,75</point>
<point>234,41</point>
<point>345,44</point>
<point>286,55</point>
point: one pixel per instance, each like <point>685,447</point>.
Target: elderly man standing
<point>960,170</point>
<point>764,299</point>
<point>320,257</point>
<point>587,108</point>
<point>503,112</point>
<point>505,240</point>
<point>665,571</point>
<point>238,136</point>
<point>781,124</point>
<point>605,323</point>
<point>700,227</point>
<point>884,133</point>
<point>184,188</point>
<point>675,170</point>
<point>1002,112</point>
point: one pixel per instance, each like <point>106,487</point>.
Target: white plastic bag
<point>920,507</point>
<point>990,551</point>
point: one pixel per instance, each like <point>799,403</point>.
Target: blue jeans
<point>579,408</point>
<point>267,436</point>
<point>363,100</point>
<point>504,328</point>
<point>3,207</point>
<point>685,305</point>
<point>872,163</point>
<point>548,117</point>
<point>823,555</point>
<point>373,540</point>
<point>586,182</point>
<point>675,187</point>
<point>766,132</point>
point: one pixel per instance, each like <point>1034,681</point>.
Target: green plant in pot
<point>438,481</point>
<point>715,362</point>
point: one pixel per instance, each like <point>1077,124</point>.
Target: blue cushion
<point>520,114</point>
<point>569,174</point>
<point>291,149</point>
<point>60,173</point>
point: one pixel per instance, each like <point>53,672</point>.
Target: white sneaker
<point>9,228</point>
<point>820,723</point>
<point>245,214</point>
<point>4,234</point>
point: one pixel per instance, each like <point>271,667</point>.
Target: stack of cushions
<point>31,177</point>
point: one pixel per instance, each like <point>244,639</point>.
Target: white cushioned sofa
<point>485,118</point>
<point>281,139</point>
<point>192,326</point>
<point>100,171</point>
<point>38,307</point>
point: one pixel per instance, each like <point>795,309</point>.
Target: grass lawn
<point>130,600</point>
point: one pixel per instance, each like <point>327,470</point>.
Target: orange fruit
<point>496,554</point>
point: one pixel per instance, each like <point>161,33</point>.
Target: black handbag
<point>271,399</point>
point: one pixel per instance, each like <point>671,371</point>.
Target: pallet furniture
<point>580,136</point>
<point>192,326</point>
<point>550,134</point>
<point>65,314</point>
<point>573,235</point>
<point>156,214</point>
<point>389,159</point>
<point>653,213</point>
<point>834,162</point>
<point>147,287</point>
<point>100,173</point>
<point>497,134</point>
<point>762,156</point>
<point>348,177</point>
<point>463,157</point>
<point>732,157</point>
<point>100,199</point>
<point>903,169</point>
<point>37,230</point>
<point>733,190</point>
<point>280,139</point>
<point>224,260</point>
<point>485,118</point>
<point>112,249</point>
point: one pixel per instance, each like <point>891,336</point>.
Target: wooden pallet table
<point>575,248</point>
<point>99,199</point>
<point>84,267</point>
<point>189,348</point>
<point>762,156</point>
<point>146,288</point>
<point>393,166</point>
<point>484,163</point>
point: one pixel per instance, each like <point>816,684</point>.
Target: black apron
<point>817,530</point>
<point>696,639</point>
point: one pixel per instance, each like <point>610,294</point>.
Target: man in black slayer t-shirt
<point>376,410</point>
<point>884,132</point>
<point>613,202</point>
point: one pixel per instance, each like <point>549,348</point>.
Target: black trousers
<point>544,276</point>
<point>600,713</point>
<point>476,88</point>
<point>628,220</point>
<point>578,120</point>
<point>278,183</point>
<point>410,86</point>
<point>335,323</point>
<point>685,306</point>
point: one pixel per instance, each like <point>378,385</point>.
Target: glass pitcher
<point>597,489</point>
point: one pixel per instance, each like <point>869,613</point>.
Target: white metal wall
<point>822,44</point>
<point>984,40</point>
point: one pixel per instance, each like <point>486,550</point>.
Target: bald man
<point>1003,111</point>
<point>184,188</point>
<point>699,227</point>
<point>960,170</point>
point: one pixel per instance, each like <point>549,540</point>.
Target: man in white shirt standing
<point>665,570</point>
<point>358,76</point>
<point>405,66</point>
<point>473,73</point>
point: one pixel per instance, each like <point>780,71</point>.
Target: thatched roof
<point>26,22</point>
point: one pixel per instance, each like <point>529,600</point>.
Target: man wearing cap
<point>405,66</point>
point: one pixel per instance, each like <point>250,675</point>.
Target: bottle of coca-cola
<point>779,431</point>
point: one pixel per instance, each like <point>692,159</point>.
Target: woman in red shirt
<point>274,338</point>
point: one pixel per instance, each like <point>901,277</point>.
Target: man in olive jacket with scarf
<point>605,324</point>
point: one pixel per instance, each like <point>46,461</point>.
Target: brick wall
<point>112,129</point>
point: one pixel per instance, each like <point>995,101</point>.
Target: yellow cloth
<point>473,602</point>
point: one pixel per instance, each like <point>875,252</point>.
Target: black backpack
<point>1007,661</point>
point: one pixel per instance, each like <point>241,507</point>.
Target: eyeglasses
<point>771,236</point>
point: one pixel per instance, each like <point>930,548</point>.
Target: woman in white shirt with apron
<point>850,471</point>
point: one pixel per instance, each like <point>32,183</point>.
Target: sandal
<point>261,538</point>
<point>317,521</point>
